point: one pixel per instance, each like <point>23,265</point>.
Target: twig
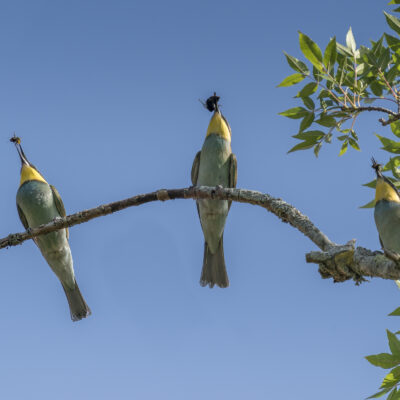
<point>393,116</point>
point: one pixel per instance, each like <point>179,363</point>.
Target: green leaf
<point>341,72</point>
<point>389,145</point>
<point>395,313</point>
<point>330,54</point>
<point>392,73</point>
<point>376,88</point>
<point>318,76</point>
<point>343,50</point>
<point>294,113</point>
<point>297,65</point>
<point>317,148</point>
<point>371,184</point>
<point>311,51</point>
<point>394,162</point>
<point>308,103</point>
<point>302,146</point>
<point>326,120</point>
<point>343,149</point>
<point>361,68</point>
<point>307,121</point>
<point>391,379</point>
<point>308,90</point>
<point>392,395</point>
<point>354,144</point>
<point>394,344</point>
<point>379,394</point>
<point>393,22</point>
<point>395,127</point>
<point>328,138</point>
<point>371,204</point>
<point>393,42</point>
<point>393,165</point>
<point>394,2</point>
<point>377,47</point>
<point>350,42</point>
<point>291,80</point>
<point>384,59</point>
<point>383,360</point>
<point>310,135</point>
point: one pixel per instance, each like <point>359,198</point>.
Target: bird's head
<point>28,171</point>
<point>385,189</point>
<point>377,167</point>
<point>218,124</point>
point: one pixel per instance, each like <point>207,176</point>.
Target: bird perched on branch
<point>214,165</point>
<point>387,213</point>
<point>39,203</point>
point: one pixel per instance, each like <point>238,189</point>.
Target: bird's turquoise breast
<point>214,162</point>
<point>387,220</point>
<point>36,201</point>
<point>214,170</point>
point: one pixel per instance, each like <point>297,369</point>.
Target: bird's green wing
<point>195,168</point>
<point>195,174</point>
<point>232,173</point>
<point>59,204</point>
<point>22,217</point>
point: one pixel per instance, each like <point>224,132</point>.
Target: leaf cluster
<point>393,165</point>
<point>342,82</point>
<point>390,383</point>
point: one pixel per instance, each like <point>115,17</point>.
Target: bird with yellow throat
<point>387,213</point>
<point>214,165</point>
<point>39,203</point>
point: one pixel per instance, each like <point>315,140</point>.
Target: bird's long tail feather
<point>214,269</point>
<point>77,304</point>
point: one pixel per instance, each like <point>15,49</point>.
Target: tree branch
<point>349,262</point>
<point>284,211</point>
<point>335,261</point>
<point>393,115</point>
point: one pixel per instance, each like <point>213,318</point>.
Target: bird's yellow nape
<point>29,173</point>
<point>219,126</point>
<point>384,191</point>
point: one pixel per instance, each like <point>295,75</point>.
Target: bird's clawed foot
<point>215,191</point>
<point>392,255</point>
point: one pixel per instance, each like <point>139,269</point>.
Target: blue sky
<point>105,97</point>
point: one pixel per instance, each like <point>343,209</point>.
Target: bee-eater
<point>39,203</point>
<point>214,165</point>
<point>387,213</point>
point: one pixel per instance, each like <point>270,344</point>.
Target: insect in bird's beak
<point>211,104</point>
<point>17,141</point>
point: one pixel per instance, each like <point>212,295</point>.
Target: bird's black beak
<point>17,141</point>
<point>377,167</point>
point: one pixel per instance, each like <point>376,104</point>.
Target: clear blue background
<point>105,97</point>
